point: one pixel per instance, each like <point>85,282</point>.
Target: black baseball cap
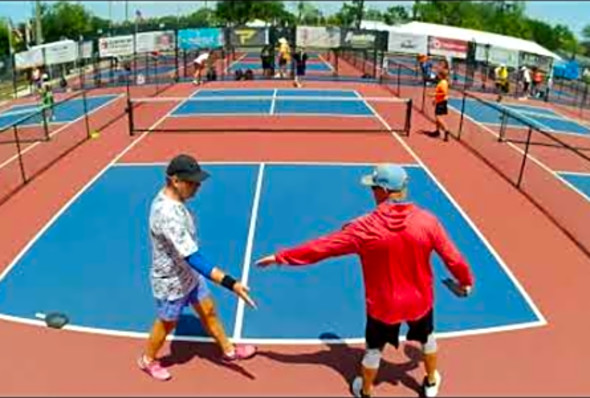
<point>186,168</point>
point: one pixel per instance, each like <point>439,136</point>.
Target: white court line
<point>279,163</point>
<point>264,114</point>
<point>274,102</point>
<point>528,155</point>
<point>548,129</point>
<point>263,341</point>
<point>239,321</point>
<point>30,147</point>
<point>326,62</point>
<point>492,250</point>
<point>233,63</point>
<point>575,173</point>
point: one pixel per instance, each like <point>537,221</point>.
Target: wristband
<point>228,282</point>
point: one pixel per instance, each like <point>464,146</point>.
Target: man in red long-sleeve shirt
<point>394,243</point>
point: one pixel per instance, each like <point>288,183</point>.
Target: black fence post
<point>524,158</point>
<point>19,152</point>
<point>86,121</point>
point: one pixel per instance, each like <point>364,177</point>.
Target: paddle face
<point>56,320</point>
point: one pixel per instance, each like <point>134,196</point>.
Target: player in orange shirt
<point>441,97</point>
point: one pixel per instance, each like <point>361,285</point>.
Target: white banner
<point>61,52</point>
<point>155,41</point>
<point>481,52</point>
<point>28,59</point>
<point>504,56</point>
<point>407,43</point>
<point>115,46</point>
<point>318,37</point>
<point>86,49</point>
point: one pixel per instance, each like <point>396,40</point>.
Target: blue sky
<point>574,14</point>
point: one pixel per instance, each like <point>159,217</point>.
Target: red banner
<point>447,47</point>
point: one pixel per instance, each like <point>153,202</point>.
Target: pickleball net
<point>270,113</point>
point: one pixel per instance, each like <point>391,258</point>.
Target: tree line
<point>69,20</point>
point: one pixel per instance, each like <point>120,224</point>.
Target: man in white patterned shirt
<point>179,268</point>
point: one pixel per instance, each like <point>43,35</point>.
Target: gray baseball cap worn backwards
<point>186,168</point>
<point>388,176</point>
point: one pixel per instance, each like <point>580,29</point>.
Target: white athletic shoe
<point>432,390</point>
<point>357,387</point>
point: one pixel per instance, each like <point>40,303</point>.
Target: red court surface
<point>546,360</point>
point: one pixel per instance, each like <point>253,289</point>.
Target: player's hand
<point>466,290</point>
<point>267,261</point>
<point>242,292</point>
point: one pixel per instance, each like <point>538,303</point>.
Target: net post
<point>525,156</point>
<point>130,117</point>
<point>86,120</point>
<point>408,126</point>
<point>462,115</point>
<point>19,152</point>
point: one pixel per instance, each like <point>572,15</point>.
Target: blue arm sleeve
<point>200,264</point>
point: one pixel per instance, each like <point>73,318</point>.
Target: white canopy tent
<point>455,33</point>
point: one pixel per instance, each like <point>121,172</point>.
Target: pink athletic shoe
<point>154,369</point>
<point>240,352</point>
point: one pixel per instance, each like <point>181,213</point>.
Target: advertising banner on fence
<point>193,39</point>
<point>28,59</point>
<point>86,49</point>
<point>154,41</point>
<point>248,37</point>
<point>362,39</point>
<point>499,56</point>
<point>61,52</point>
<point>447,47</point>
<point>482,52</point>
<point>407,43</point>
<point>115,46</point>
<point>318,37</point>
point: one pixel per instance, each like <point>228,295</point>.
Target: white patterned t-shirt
<point>173,238</point>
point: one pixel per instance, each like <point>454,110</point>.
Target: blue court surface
<point>93,262</point>
<point>580,181</point>
<point>280,101</point>
<point>542,118</point>
<point>64,112</point>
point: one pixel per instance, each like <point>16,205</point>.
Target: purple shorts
<point>170,310</point>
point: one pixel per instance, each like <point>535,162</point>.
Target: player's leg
<point>377,334</point>
<point>204,306</point>
<point>422,331</point>
<point>168,313</point>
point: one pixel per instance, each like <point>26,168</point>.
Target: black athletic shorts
<point>441,108</point>
<point>378,334</point>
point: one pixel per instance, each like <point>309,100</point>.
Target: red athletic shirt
<point>394,242</point>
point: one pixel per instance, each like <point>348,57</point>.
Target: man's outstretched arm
<point>335,244</point>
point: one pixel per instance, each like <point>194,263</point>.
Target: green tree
<point>308,14</point>
<point>396,15</point>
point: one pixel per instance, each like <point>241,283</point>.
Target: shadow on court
<point>182,352</point>
<point>345,360</point>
